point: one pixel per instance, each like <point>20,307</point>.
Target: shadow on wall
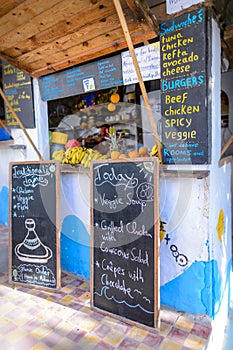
<point>75,247</point>
<point>4,195</point>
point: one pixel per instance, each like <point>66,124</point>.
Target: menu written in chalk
<point>124,272</point>
<point>184,86</point>
<point>148,57</point>
<point>17,87</point>
<point>34,224</point>
<point>105,74</point>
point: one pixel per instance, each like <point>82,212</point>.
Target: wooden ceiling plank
<point>23,14</point>
<point>51,17</point>
<point>73,43</point>
<point>143,13</point>
<point>14,63</point>
<point>84,58</point>
<point>55,33</point>
<point>81,55</point>
<point>8,5</point>
<point>90,32</point>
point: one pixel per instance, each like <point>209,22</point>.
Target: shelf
<point>126,121</point>
<point>163,171</point>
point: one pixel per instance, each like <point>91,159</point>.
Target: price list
<point>184,86</point>
<point>17,87</point>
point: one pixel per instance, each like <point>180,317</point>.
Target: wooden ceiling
<point>43,36</point>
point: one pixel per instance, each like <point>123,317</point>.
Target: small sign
<point>89,84</point>
<point>148,58</point>
<point>174,6</point>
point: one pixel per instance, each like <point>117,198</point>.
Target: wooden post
<point>227,145</point>
<point>20,124</point>
<point>138,72</point>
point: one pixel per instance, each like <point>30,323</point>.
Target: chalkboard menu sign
<point>97,75</point>
<point>148,57</point>
<point>17,87</point>
<point>184,89</point>
<point>124,235</point>
<point>34,224</point>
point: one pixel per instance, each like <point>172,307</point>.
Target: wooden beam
<point>142,11</point>
<point>227,145</point>
<point>138,72</point>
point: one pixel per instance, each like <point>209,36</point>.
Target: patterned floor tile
<point>184,323</point>
<point>128,344</point>
<point>201,331</point>
<point>37,319</point>
<point>102,330</point>
<point>195,342</point>
<point>137,333</point>
<point>16,335</point>
<point>113,337</point>
<point>178,335</point>
<point>153,340</point>
<point>89,341</point>
<point>168,344</point>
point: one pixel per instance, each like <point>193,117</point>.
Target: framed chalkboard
<point>17,87</point>
<point>81,79</point>
<point>34,253</point>
<point>124,240</point>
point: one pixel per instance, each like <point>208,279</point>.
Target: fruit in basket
<point>122,156</point>
<point>80,155</point>
<point>115,154</point>
<point>58,155</point>
<point>72,143</point>
<point>111,107</point>
<point>115,98</point>
<point>143,150</point>
<point>134,154</point>
<point>155,152</point>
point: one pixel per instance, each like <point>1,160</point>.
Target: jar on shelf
<point>91,121</point>
<point>83,121</point>
<point>131,97</point>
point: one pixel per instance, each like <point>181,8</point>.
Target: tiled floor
<point>37,319</point>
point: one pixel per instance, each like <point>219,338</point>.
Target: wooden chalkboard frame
<point>156,243</point>
<point>54,166</point>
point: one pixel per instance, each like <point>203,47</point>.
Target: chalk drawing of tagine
<point>32,249</point>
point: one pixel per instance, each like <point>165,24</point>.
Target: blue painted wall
<point>4,195</point>
<point>197,290</point>
<point>75,246</point>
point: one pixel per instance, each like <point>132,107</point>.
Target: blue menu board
<point>81,79</point>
